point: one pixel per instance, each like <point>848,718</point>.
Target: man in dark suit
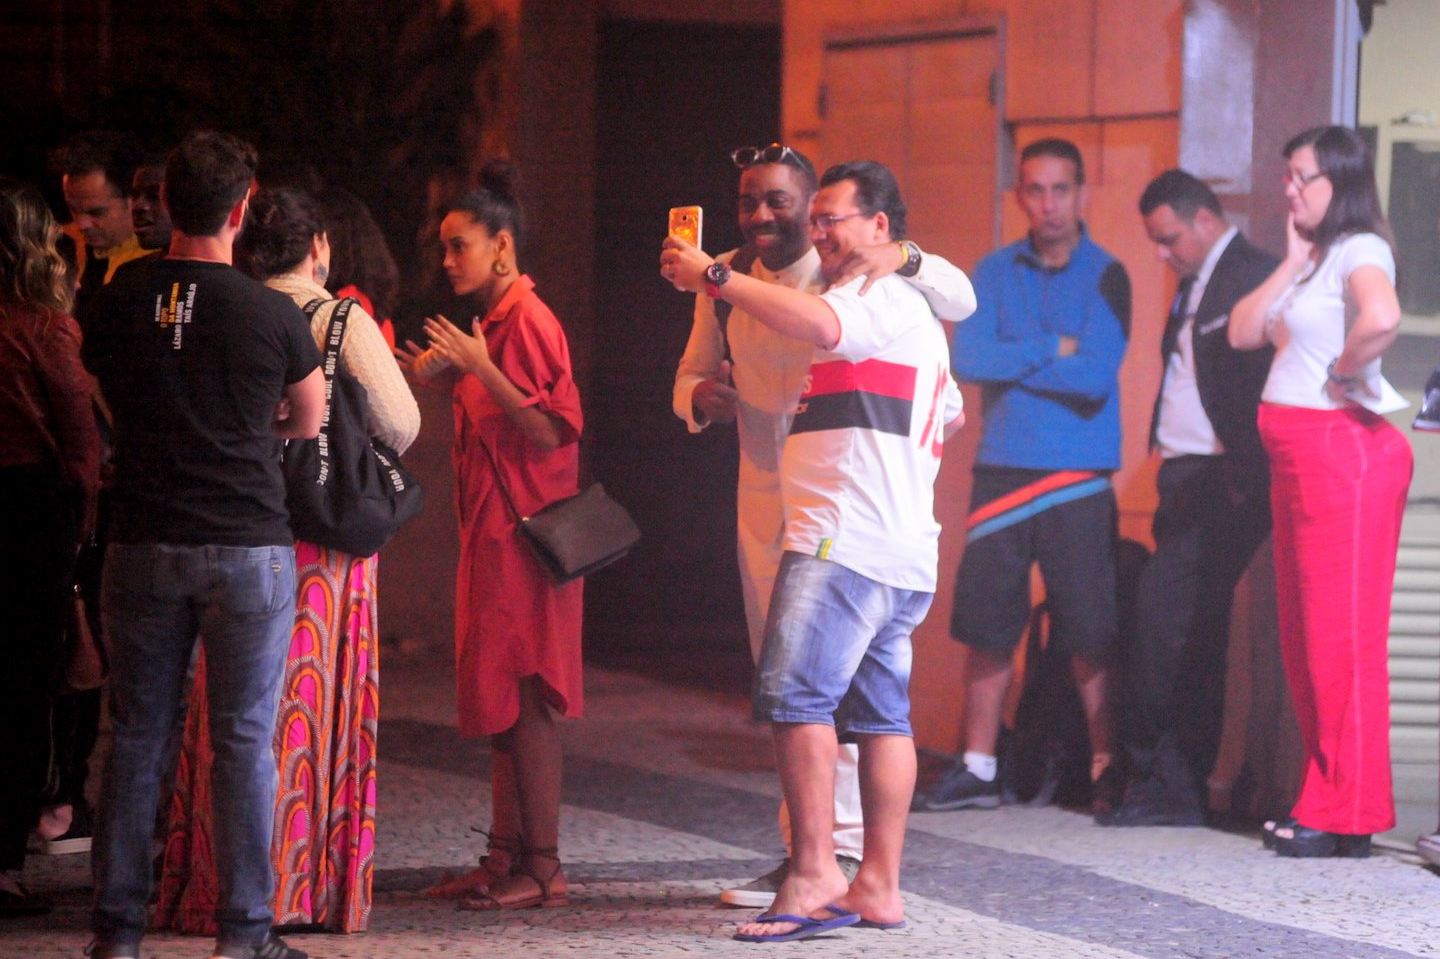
<point>1214,506</point>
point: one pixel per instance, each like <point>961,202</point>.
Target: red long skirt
<point>1338,485</point>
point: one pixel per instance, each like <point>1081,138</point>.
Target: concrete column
<point>1305,75</point>
<point>1256,72</point>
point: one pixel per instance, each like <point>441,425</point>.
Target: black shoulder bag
<point>345,489</point>
<point>574,536</point>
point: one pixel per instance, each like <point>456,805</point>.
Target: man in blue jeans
<point>205,371</point>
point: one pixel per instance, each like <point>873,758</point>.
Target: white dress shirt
<point>1183,428</point>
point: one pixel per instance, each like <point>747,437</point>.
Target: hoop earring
<point>499,268</point>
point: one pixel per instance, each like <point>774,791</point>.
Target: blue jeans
<point>837,650</point>
<point>156,599</point>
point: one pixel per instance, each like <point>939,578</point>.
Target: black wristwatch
<point>1339,379</point>
<point>912,259</point>
<point>717,274</point>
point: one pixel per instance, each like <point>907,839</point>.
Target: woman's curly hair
<point>32,271</point>
<point>278,230</point>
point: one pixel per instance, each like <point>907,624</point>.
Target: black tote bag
<point>345,489</point>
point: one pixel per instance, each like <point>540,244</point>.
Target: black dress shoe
<point>1107,793</point>
<point>273,947</point>
<point>1267,830</point>
<point>1306,843</point>
<point>1131,813</point>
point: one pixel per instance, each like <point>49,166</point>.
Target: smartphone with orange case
<point>685,223</point>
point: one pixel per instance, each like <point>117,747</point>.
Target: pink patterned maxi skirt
<point>324,845</point>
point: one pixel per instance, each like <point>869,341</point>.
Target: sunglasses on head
<point>774,153</point>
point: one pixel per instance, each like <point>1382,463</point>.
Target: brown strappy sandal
<point>548,892</point>
<point>501,859</point>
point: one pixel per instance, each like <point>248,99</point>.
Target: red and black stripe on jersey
<point>872,394</point>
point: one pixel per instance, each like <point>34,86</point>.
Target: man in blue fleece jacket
<point>1045,344</point>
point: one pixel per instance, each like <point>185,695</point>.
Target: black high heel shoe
<point>1267,830</point>
<point>1306,843</point>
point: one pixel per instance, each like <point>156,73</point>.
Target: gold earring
<point>499,268</point>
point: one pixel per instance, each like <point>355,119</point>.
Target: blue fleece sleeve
<point>1091,373</point>
<point>978,354</point>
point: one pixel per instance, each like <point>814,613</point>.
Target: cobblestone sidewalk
<point>670,796</point>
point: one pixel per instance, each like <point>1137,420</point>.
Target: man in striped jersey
<point>860,545</point>
<point>736,368</point>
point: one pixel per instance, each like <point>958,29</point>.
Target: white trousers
<point>760,528</point>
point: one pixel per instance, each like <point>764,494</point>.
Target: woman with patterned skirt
<point>324,840</point>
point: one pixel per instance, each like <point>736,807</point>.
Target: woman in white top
<point>1339,477</point>
<point>324,847</point>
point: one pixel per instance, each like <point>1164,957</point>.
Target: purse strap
<point>334,335</point>
<point>500,482</point>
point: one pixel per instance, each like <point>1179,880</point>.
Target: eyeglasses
<point>827,221</point>
<point>1301,180</point>
<point>774,153</point>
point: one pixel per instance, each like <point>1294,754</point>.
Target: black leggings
<point>38,539</point>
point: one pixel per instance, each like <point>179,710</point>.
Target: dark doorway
<point>673,100</point>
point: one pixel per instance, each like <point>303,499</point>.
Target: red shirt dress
<point>511,620</point>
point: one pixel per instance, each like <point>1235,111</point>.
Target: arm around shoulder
<point>945,287</point>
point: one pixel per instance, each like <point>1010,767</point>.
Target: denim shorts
<point>837,650</point>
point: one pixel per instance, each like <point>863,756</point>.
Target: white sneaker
<point>760,893</point>
<point>1428,419</point>
<point>76,839</point>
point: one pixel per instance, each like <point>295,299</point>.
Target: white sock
<point>981,766</point>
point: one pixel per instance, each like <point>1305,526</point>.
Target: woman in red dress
<point>360,262</point>
<point>517,634</point>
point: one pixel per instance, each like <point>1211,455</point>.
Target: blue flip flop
<point>868,923</point>
<point>806,926</point>
<point>872,924</point>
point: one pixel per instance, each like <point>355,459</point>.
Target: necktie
<point>1180,308</point>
